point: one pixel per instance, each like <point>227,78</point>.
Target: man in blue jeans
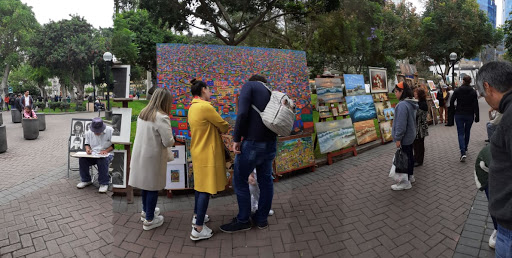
<point>257,150</point>
<point>466,111</point>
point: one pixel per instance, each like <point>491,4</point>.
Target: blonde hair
<point>161,100</point>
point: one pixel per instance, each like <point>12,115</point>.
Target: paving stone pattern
<point>343,210</point>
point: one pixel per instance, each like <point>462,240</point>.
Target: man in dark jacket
<point>18,104</point>
<point>257,151</point>
<point>494,82</point>
<point>466,111</point>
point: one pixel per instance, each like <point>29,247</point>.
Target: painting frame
<point>329,90</point>
<point>378,80</point>
<point>363,125</point>
<point>180,153</point>
<point>121,123</point>
<point>175,176</point>
<point>354,84</point>
<point>119,162</point>
<point>432,85</point>
<point>79,133</point>
<point>335,135</point>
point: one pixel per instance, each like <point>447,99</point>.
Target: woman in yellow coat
<point>207,150</point>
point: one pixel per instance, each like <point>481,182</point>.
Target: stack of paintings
<point>335,135</point>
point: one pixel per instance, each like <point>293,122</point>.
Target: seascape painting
<point>354,84</point>
<point>365,132</point>
<point>361,107</point>
<point>380,107</point>
<point>385,131</point>
<point>329,90</point>
<point>335,135</point>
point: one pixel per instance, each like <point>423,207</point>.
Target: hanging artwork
<point>294,153</point>
<point>385,130</point>
<point>361,107</point>
<point>365,131</point>
<point>117,169</point>
<point>225,69</point>
<point>329,90</point>
<point>354,84</point>
<point>380,107</point>
<point>378,80</point>
<point>121,123</point>
<point>335,135</point>
<point>431,85</point>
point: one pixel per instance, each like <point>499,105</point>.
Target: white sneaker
<point>463,158</point>
<point>103,188</point>
<point>492,239</point>
<point>156,222</point>
<point>271,212</point>
<point>206,219</point>
<point>412,179</point>
<point>143,214</point>
<point>83,184</point>
<point>404,185</point>
<point>204,234</point>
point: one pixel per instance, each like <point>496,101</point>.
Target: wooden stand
<point>274,165</point>
<point>124,100</point>
<point>128,190</point>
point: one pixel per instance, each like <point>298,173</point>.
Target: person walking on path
<point>26,100</point>
<point>12,101</point>
<point>421,127</point>
<point>257,150</point>
<point>451,109</point>
<point>494,82</point>
<point>442,96</point>
<point>466,112</point>
<point>481,179</point>
<point>207,152</point>
<point>6,101</point>
<point>148,164</point>
<point>404,130</point>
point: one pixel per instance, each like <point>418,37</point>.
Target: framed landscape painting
<point>378,80</point>
<point>380,107</point>
<point>329,90</point>
<point>294,152</point>
<point>335,135</point>
<point>361,107</point>
<point>354,84</point>
<point>385,130</point>
<point>365,132</point>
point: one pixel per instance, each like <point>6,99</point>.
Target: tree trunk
<point>4,79</point>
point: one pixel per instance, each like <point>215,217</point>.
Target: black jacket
<point>500,171</point>
<point>467,102</point>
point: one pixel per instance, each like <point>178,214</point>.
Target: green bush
<point>80,108</point>
<point>64,106</point>
<point>40,105</point>
<point>54,105</point>
<point>134,118</point>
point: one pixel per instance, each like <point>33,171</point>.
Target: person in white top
<point>98,141</point>
<point>26,100</point>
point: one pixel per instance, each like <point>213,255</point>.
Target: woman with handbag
<point>404,131</point>
<point>150,154</point>
<point>208,155</point>
<point>421,126</point>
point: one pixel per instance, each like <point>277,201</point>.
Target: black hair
<point>197,87</point>
<point>259,78</point>
<point>406,91</point>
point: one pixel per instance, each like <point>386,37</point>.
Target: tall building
<point>507,8</point>
<point>489,7</point>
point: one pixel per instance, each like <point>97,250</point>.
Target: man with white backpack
<point>259,109</point>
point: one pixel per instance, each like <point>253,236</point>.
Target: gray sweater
<point>404,125</point>
<point>500,171</point>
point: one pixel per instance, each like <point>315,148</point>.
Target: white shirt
<point>27,100</point>
<point>449,98</point>
<point>99,142</point>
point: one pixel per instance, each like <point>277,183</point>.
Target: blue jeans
<point>259,155</point>
<point>503,243</point>
<point>492,217</point>
<point>464,123</point>
<point>149,199</point>
<point>490,130</point>
<point>200,207</point>
<point>103,163</point>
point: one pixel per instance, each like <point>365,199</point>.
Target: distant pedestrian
<point>466,111</point>
<point>18,104</point>
<point>442,96</point>
<point>421,127</point>
<point>451,109</point>
<point>494,82</point>
<point>404,130</point>
<point>7,101</point>
<point>12,101</point>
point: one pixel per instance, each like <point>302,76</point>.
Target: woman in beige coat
<point>149,155</point>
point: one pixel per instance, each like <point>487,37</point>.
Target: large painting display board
<point>329,90</point>
<point>335,135</point>
<point>293,154</point>
<point>225,69</point>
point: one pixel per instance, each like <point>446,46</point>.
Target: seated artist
<point>97,141</point>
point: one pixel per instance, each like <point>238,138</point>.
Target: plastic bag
<point>396,176</point>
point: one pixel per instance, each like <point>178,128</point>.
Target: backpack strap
<point>253,106</point>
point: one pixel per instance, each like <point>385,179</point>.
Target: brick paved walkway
<point>42,213</point>
<point>343,210</point>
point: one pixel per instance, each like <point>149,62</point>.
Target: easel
<point>333,154</point>
<point>310,165</point>
<point>127,146</point>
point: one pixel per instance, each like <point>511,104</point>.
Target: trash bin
<point>16,116</point>
<point>3,139</point>
<point>42,121</point>
<point>30,128</point>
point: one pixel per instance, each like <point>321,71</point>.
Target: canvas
<point>179,155</point>
<point>294,153</point>
<point>354,84</point>
<point>361,107</point>
<point>342,109</point>
<point>117,169</point>
<point>335,135</point>
<point>431,85</point>
<point>378,80</point>
<point>329,90</point>
<point>175,176</point>
<point>380,97</point>
<point>380,107</point>
<point>225,69</point>
<point>385,130</point>
<point>121,123</point>
<point>77,134</point>
<point>365,131</point>
<point>389,113</point>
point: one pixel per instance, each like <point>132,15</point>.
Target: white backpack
<point>279,114</point>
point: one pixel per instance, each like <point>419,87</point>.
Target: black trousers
<point>451,115</point>
<point>419,150</point>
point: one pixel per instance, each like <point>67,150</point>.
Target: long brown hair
<point>422,96</point>
<point>160,102</point>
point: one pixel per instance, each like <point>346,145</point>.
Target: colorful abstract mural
<point>225,69</point>
<point>294,154</point>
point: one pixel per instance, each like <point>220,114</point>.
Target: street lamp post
<point>107,57</point>
<point>453,58</point>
